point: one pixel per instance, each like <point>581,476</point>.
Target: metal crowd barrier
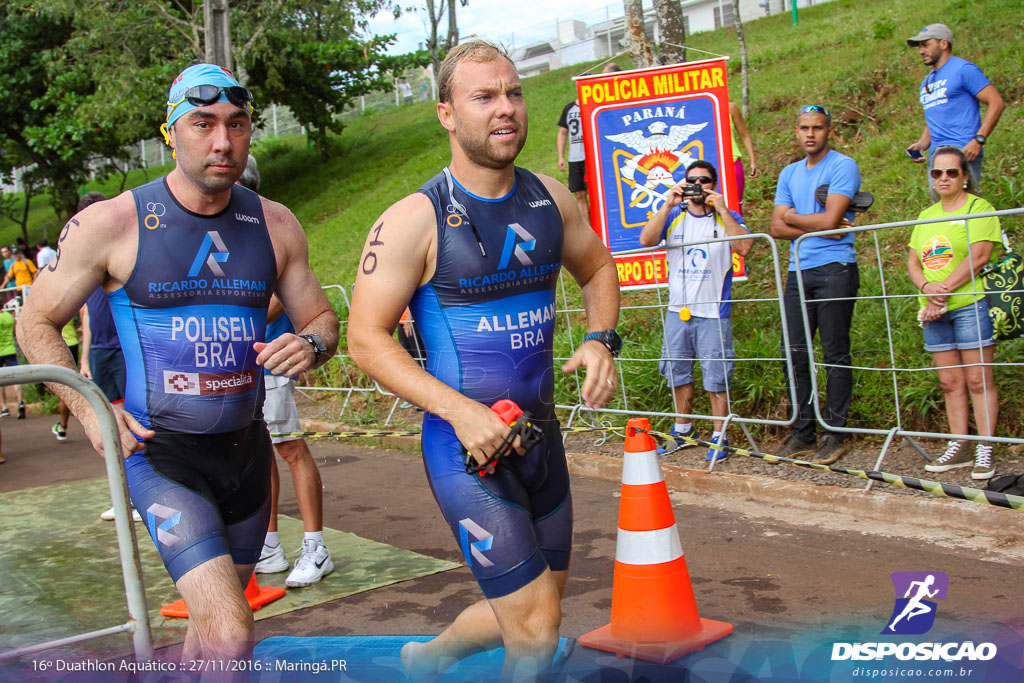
<point>576,410</point>
<point>349,391</point>
<point>138,618</point>
<point>660,310</point>
<point>897,429</point>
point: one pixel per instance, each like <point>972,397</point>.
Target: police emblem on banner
<point>645,150</point>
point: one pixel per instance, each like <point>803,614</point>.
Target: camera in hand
<point>693,190</point>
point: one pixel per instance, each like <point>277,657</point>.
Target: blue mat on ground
<point>366,658</point>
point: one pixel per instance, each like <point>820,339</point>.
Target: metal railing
<point>131,568</point>
<point>661,308</point>
<point>567,310</point>
<point>897,430</point>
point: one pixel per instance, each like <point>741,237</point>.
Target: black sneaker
<point>794,446</point>
<point>21,411</point>
<point>830,449</point>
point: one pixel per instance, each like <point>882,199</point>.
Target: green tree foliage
<point>45,88</point>
<point>317,61</point>
<point>83,80</point>
<point>437,46</point>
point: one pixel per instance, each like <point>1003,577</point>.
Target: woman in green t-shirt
<point>944,261</point>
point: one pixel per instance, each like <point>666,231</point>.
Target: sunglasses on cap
<point>693,179</point>
<point>816,109</point>
<point>204,95</point>
<point>937,173</point>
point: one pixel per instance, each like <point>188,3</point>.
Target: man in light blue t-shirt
<point>950,95</point>
<point>828,268</point>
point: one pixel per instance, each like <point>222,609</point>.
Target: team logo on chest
<point>212,258</point>
<point>526,242</point>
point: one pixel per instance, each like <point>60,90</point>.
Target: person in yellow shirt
<point>943,262</point>
<point>22,272</point>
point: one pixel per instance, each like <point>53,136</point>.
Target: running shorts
<point>204,495</point>
<point>510,525</point>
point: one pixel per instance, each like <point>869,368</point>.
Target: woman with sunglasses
<point>943,262</point>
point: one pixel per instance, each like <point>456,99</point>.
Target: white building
<point>575,42</point>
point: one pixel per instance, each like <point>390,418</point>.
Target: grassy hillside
<point>848,55</point>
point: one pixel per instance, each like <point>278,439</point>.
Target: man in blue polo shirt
<point>828,266</point>
<point>950,95</point>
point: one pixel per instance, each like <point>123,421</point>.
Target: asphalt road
<point>777,581</point>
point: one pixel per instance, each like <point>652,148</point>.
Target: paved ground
<point>806,577</point>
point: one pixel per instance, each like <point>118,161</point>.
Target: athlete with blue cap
<point>189,263</point>
<point>201,85</point>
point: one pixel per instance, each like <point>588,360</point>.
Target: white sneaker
<point>108,515</point>
<point>314,564</point>
<point>272,560</point>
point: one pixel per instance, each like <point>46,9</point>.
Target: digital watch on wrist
<point>980,139</point>
<point>318,346</point>
<point>610,338</point>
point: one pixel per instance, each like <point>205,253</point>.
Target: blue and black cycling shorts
<point>510,525</point>
<point>204,495</point>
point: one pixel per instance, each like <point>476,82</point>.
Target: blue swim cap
<point>197,74</point>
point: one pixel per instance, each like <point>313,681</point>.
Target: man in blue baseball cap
<point>189,263</point>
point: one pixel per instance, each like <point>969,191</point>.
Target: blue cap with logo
<point>198,75</point>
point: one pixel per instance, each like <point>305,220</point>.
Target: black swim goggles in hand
<point>522,426</point>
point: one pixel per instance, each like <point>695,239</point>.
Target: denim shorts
<point>708,340</point>
<point>958,329</point>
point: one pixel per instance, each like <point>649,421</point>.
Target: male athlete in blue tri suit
<point>189,263</point>
<point>476,255</point>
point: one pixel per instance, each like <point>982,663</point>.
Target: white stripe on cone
<point>648,547</point>
<point>639,469</point>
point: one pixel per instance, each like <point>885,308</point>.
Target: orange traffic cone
<point>654,612</point>
<point>257,595</point>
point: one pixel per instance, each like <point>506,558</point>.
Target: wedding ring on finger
<point>610,382</point>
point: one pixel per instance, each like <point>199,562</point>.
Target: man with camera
<point>698,324</point>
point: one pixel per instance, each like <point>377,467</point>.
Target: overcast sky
<point>521,21</point>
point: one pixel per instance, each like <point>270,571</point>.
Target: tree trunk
<point>639,47</point>
<point>744,70</point>
<point>673,31</point>
<point>217,18</point>
<point>29,191</point>
<point>453,27</point>
<point>434,15</point>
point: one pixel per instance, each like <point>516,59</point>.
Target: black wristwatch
<point>980,139</point>
<point>318,345</point>
<point>610,338</point>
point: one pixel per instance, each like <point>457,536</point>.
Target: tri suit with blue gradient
<point>487,319</point>
<point>187,319</point>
